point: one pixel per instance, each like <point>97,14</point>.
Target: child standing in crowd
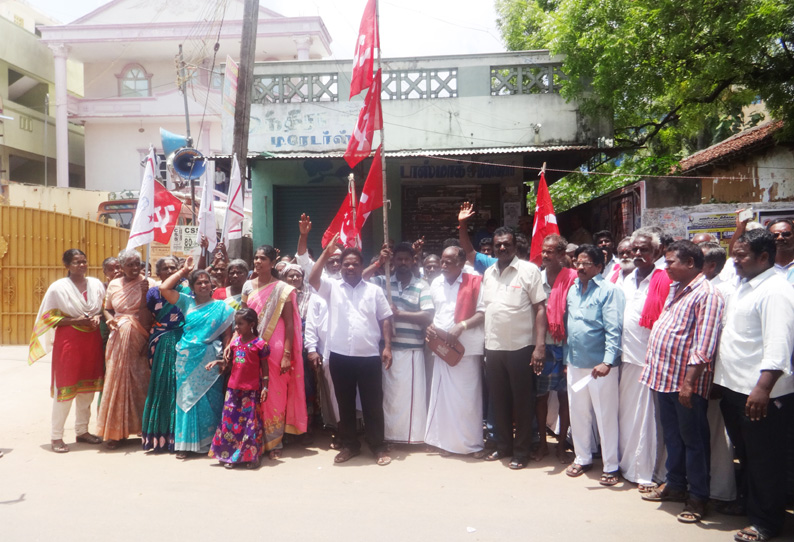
<point>239,438</point>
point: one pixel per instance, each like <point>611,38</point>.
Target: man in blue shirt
<point>593,322</point>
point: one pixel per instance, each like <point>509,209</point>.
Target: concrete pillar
<point>304,44</point>
<point>60,52</point>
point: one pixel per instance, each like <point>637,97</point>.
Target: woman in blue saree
<point>207,331</point>
<point>158,414</point>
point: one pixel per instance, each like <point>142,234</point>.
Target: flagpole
<point>386,268</point>
<point>351,189</point>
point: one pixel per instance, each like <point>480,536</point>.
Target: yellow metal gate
<point>32,242</point>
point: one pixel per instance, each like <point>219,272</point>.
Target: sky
<point>408,27</point>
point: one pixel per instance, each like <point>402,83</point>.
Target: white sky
<point>408,27</point>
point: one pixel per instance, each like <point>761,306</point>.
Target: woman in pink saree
<point>274,301</point>
<point>126,357</point>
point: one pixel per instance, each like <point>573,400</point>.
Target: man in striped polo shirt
<point>678,368</point>
<point>404,384</point>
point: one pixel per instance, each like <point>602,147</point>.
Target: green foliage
<point>673,76</point>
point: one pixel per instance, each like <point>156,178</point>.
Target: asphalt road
<point>91,494</point>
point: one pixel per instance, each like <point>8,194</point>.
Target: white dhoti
<point>597,401</point>
<point>404,392</point>
<point>641,444</point>
<point>454,419</point>
<point>723,473</point>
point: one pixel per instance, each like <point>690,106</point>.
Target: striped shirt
<point>413,298</point>
<point>686,333</point>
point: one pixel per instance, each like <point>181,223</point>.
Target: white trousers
<point>82,414</point>
<point>454,419</point>
<point>723,473</point>
<point>404,403</point>
<point>641,442</point>
<point>597,401</point>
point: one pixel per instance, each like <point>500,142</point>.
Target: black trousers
<point>511,386</point>
<point>364,373</point>
<point>760,448</point>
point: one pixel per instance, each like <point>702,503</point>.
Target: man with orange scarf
<point>646,290</point>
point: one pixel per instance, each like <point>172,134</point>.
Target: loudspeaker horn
<point>172,142</point>
<point>189,163</point>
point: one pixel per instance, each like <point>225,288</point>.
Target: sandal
<point>609,479</point>
<point>517,464</point>
<point>345,455</point>
<point>253,465</point>
<point>383,458</point>
<point>112,444</point>
<point>229,466</point>
<point>479,455</point>
<point>88,438</point>
<point>663,494</point>
<point>693,512</point>
<point>575,469</point>
<point>646,488</point>
<point>181,455</point>
<point>59,446</point>
<point>750,534</point>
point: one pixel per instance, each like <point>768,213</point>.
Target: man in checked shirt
<point>678,367</point>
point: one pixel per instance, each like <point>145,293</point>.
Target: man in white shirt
<point>454,418</point>
<point>317,350</point>
<point>358,316</point>
<point>783,231</point>
<point>333,266</point>
<point>640,430</point>
<point>754,371</point>
<point>515,344</point>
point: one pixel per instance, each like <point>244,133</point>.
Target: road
<point>91,493</point>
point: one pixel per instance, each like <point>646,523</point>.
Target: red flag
<point>368,41</point>
<point>545,221</point>
<point>372,194</point>
<point>370,118</point>
<point>342,224</point>
<point>166,208</point>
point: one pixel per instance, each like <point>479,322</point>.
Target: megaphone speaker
<point>189,163</point>
<point>172,142</point>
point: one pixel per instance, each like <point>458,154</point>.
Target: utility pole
<point>183,88</point>
<point>245,77</point>
<point>46,140</point>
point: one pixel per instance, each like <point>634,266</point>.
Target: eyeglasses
<point>583,264</point>
<point>782,234</point>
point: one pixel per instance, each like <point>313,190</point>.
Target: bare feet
<point>181,455</point>
<point>59,446</point>
<point>112,444</point>
<point>274,454</point>
<point>540,452</point>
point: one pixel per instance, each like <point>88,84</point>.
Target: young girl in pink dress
<point>239,438</point>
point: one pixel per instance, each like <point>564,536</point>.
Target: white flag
<point>206,215</point>
<point>233,221</point>
<point>146,218</point>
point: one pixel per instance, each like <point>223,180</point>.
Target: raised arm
<point>167,286</point>
<point>465,213</point>
<point>316,275</point>
<point>305,226</point>
<point>383,259</point>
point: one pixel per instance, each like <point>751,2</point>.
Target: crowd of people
<point>669,360</point>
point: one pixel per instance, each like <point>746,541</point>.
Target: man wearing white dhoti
<point>454,418</point>
<point>404,386</point>
<point>640,429</point>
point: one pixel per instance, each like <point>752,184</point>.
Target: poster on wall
<point>720,225</point>
<point>512,212</point>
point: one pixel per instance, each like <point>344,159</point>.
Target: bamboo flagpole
<point>387,267</point>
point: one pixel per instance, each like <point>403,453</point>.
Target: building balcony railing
<point>527,72</point>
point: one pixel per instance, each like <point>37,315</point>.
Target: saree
<point>127,364</point>
<point>199,392</point>
<point>158,413</point>
<point>77,354</point>
<point>284,411</point>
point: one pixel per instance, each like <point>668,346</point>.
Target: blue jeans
<point>686,437</point>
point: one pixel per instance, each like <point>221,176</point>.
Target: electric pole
<point>242,107</point>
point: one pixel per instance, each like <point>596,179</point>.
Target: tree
<point>655,64</point>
